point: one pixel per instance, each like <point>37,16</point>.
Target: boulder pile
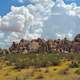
<point>40,45</point>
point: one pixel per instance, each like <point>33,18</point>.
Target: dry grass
<point>49,73</point>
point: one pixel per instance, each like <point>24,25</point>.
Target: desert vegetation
<point>40,66</point>
<point>41,59</point>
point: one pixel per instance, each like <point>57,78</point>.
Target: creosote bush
<point>77,71</point>
<point>24,60</point>
<point>37,60</point>
<point>74,65</point>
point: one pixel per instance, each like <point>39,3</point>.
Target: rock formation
<point>41,46</point>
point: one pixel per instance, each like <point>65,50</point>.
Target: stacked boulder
<point>40,46</point>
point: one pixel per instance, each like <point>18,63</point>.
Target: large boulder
<point>77,38</point>
<point>33,46</point>
<point>43,45</point>
<point>76,47</point>
<point>20,47</point>
<point>51,45</point>
<point>1,51</point>
<point>24,44</point>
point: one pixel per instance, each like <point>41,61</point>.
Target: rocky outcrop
<point>34,46</point>
<point>41,46</point>
<point>4,51</point>
<point>77,38</point>
<point>75,47</point>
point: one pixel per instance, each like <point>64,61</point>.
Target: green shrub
<point>74,65</point>
<point>40,60</point>
<point>77,71</point>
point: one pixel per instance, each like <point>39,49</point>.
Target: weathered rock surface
<point>41,46</point>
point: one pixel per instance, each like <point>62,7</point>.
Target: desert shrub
<point>77,71</point>
<point>74,56</point>
<point>40,60</point>
<point>74,64</point>
<point>15,60</point>
<point>54,69</point>
<point>46,71</point>
<point>64,71</point>
<point>19,66</point>
<point>54,59</point>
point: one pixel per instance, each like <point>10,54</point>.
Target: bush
<point>77,71</point>
<point>64,71</point>
<point>46,71</point>
<point>74,65</point>
<point>40,60</point>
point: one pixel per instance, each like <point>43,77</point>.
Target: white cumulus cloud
<point>40,18</point>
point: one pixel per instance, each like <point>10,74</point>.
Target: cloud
<point>40,18</point>
<point>64,21</point>
<point>13,24</point>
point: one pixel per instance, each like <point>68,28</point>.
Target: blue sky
<point>5,5</point>
<point>70,1</point>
